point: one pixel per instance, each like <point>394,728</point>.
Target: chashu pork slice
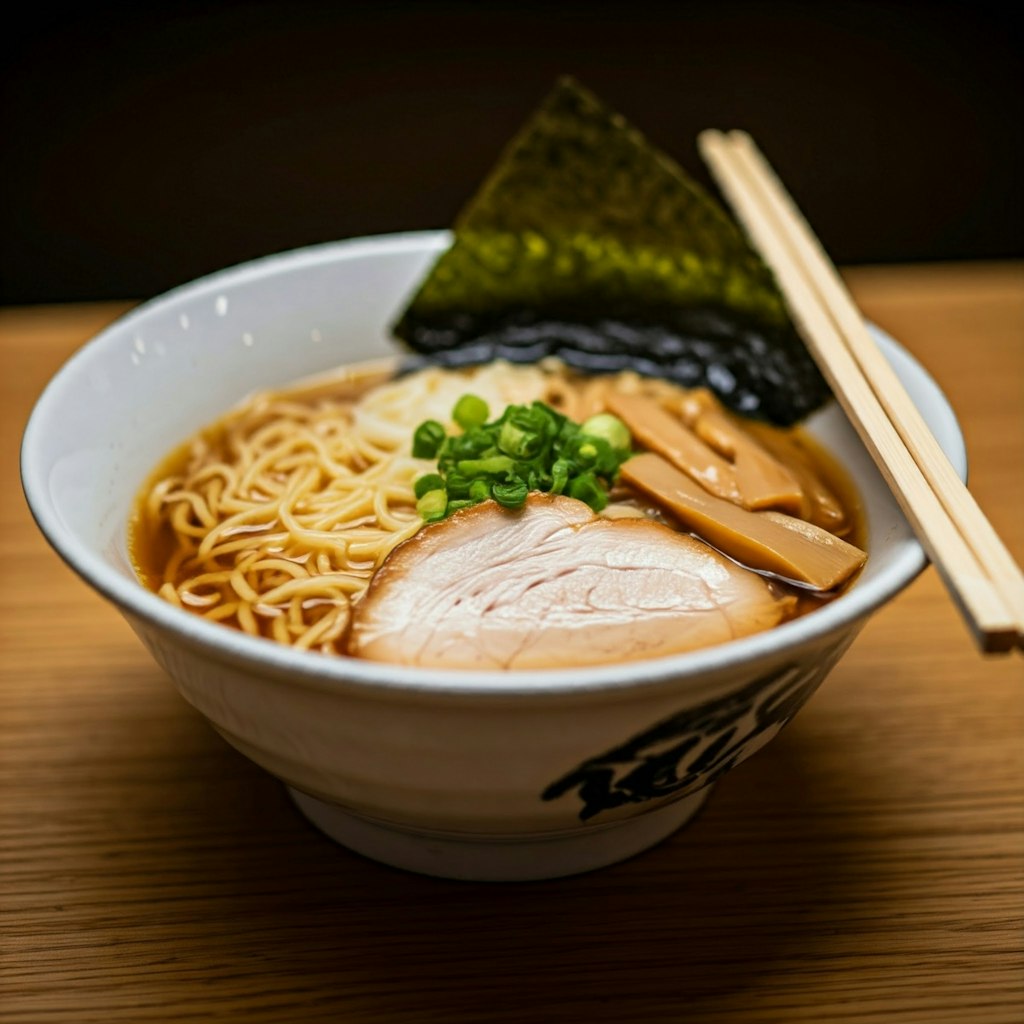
<point>553,586</point>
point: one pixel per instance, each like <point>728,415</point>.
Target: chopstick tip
<point>710,137</point>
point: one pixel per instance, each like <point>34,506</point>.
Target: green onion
<point>586,488</point>
<point>470,411</point>
<point>528,448</point>
<point>427,440</point>
<point>493,466</point>
<point>433,505</point>
<point>560,475</point>
<point>511,495</point>
<point>430,482</point>
<point>457,484</point>
<point>608,428</point>
<point>470,445</point>
<point>514,440</point>
<point>479,490</point>
<point>527,429</point>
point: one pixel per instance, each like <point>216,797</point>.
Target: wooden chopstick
<point>957,500</point>
<point>975,565</point>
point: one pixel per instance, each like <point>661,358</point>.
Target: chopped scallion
<point>511,495</point>
<point>470,411</point>
<point>608,428</point>
<point>427,440</point>
<point>528,448</point>
<point>495,465</point>
<point>433,505</point>
<point>430,482</point>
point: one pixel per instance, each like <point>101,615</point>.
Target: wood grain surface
<point>867,866</point>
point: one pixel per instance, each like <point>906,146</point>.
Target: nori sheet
<point>587,243</point>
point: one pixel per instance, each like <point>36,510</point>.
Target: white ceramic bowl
<point>466,774</point>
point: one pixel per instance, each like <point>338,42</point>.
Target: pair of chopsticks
<point>975,565</point>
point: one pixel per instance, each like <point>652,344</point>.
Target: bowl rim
<point>341,672</point>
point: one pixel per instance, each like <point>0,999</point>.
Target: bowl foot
<point>499,859</point>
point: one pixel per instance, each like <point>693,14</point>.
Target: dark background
<point>145,147</point>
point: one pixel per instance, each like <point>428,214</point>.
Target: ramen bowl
<point>465,774</point>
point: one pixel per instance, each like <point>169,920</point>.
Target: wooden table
<point>868,866</point>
